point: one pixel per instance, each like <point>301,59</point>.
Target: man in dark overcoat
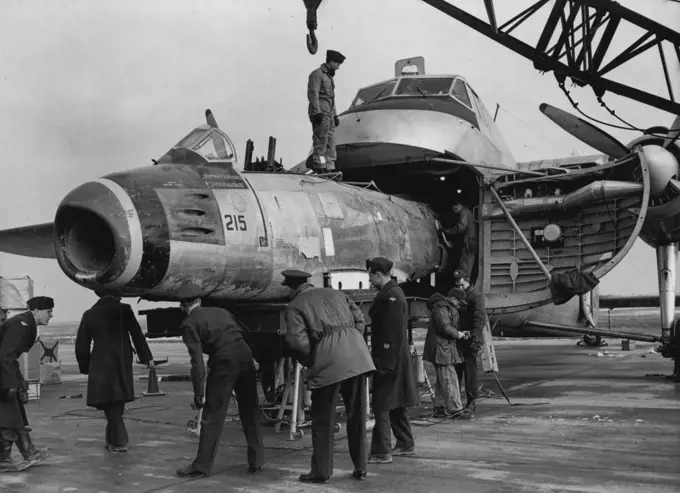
<point>325,333</point>
<point>231,368</point>
<point>108,366</point>
<point>17,336</point>
<point>394,384</point>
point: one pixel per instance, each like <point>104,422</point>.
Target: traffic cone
<point>152,388</point>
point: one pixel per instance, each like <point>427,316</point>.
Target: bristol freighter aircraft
<point>406,148</point>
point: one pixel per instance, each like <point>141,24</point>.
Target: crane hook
<point>312,42</point>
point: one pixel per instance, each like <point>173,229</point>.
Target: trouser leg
<point>323,422</point>
<point>401,427</point>
<point>249,412</point>
<point>353,391</point>
<point>7,439</point>
<point>218,388</point>
<point>116,432</point>
<point>381,438</point>
<point>471,389</point>
<point>449,387</point>
<point>330,146</point>
<point>320,141</point>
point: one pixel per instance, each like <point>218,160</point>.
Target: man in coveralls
<point>394,383</point>
<point>215,332</point>
<point>322,114</point>
<point>325,333</point>
<point>463,235</point>
<point>17,336</point>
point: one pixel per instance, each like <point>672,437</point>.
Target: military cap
<point>380,264</point>
<point>459,274</point>
<point>457,293</point>
<point>189,292</point>
<point>334,56</point>
<point>293,275</point>
<point>40,303</point>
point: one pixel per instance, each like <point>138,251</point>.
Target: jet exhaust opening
<point>87,240</point>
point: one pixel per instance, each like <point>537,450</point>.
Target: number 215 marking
<point>236,223</point>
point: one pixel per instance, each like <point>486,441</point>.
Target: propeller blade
<point>675,184</point>
<point>674,132</point>
<point>210,119</point>
<point>585,132</point>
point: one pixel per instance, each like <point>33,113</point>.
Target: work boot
<point>404,451</point>
<point>471,406</point>
<point>380,459</point>
<point>6,462</point>
<point>310,477</point>
<point>28,450</point>
<point>190,472</point>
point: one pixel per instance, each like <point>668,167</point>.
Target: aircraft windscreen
<point>374,93</point>
<point>429,86</point>
<point>215,148</point>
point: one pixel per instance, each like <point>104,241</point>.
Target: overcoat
<point>394,383</point>
<point>325,332</point>
<point>17,336</point>
<point>110,324</point>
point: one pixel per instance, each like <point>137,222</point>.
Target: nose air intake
<point>98,235</point>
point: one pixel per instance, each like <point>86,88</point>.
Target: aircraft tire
<point>592,341</point>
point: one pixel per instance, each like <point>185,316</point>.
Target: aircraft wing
<point>35,241</point>
<point>565,162</point>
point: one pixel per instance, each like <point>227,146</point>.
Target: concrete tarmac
<point>578,423</point>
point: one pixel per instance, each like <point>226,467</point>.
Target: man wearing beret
<point>215,332</point>
<point>325,333</point>
<point>17,336</point>
<point>322,114</point>
<point>473,319</point>
<point>394,384</point>
<point>111,325</point>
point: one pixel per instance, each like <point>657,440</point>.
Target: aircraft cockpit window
<point>374,93</point>
<point>426,86</point>
<point>461,94</point>
<point>215,148</point>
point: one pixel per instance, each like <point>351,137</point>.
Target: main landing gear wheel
<point>592,341</point>
<point>337,428</point>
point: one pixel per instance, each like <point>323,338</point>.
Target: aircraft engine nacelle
<point>662,225</point>
<point>147,231</point>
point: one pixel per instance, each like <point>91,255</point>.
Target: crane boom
<point>576,40</point>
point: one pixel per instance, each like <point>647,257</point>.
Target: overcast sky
<point>92,87</point>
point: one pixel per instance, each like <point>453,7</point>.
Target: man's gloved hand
<point>8,394</point>
<point>317,119</point>
<point>336,120</point>
<point>198,402</point>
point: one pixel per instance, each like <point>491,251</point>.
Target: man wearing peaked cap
<point>292,277</point>
<point>231,367</point>
<point>17,336</point>
<point>189,292</point>
<point>380,263</point>
<point>325,333</point>
<point>394,384</point>
<point>322,112</point>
